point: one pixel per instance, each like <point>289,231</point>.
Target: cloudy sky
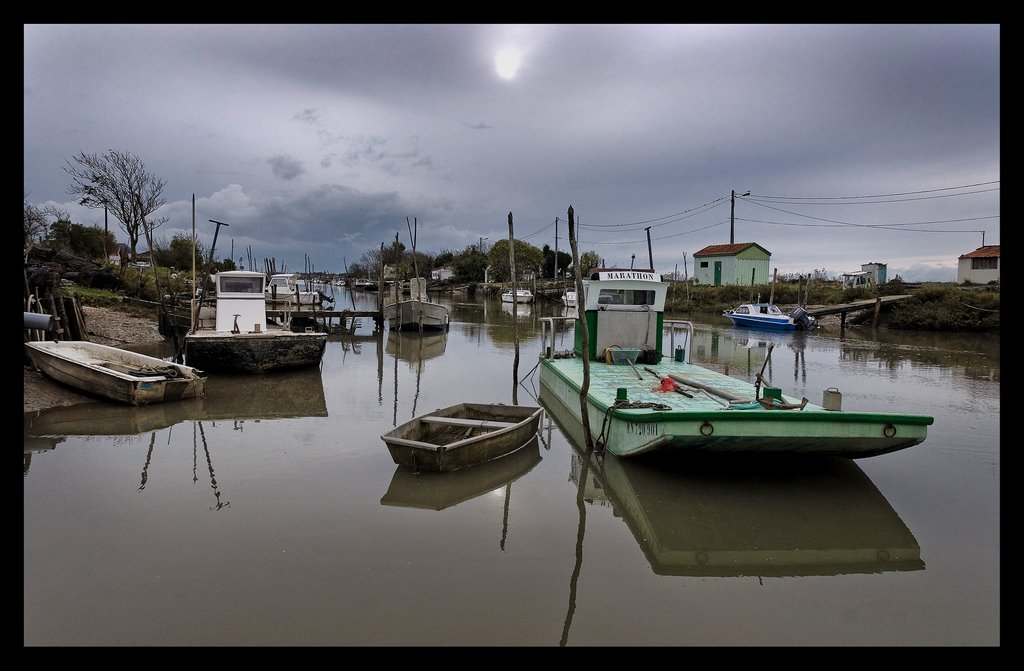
<point>857,143</point>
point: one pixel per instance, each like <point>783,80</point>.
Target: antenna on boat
<point>209,265</point>
<point>650,254</point>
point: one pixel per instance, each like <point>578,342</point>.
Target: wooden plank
<point>865,304</point>
<point>458,421</point>
<point>411,443</point>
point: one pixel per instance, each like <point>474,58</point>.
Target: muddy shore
<point>105,326</point>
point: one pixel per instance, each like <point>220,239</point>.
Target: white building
<point>980,266</point>
<point>871,274</point>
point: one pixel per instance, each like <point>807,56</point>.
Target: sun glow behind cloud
<point>507,62</point>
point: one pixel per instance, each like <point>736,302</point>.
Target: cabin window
<point>703,264</point>
<point>626,297</point>
<point>985,263</point>
<point>241,285</point>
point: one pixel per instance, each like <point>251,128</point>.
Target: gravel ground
<point>105,326</point>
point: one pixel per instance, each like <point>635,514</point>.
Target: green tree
<point>550,269</point>
<point>443,258</point>
<point>528,259</point>
<point>178,254</point>
<point>118,181</point>
<point>588,261</point>
<point>88,242</point>
<point>469,265</point>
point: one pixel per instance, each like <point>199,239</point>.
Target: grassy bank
<point>932,306</point>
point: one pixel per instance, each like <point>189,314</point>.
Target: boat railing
<point>547,325</point>
<point>673,325</point>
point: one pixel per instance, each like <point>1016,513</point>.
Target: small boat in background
<point>769,316</point>
<point>569,298</point>
<point>461,435</point>
<point>418,313</point>
<point>291,288</point>
<point>115,374</point>
<point>517,296</point>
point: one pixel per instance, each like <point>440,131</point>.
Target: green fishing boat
<point>641,399</point>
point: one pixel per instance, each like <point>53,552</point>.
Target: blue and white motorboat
<point>769,316</point>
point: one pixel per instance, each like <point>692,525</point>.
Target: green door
<point>718,273</point>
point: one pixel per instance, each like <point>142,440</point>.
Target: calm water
<point>270,513</point>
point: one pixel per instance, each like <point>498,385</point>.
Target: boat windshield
<point>240,285</point>
<point>626,297</point>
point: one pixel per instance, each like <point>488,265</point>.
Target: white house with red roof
<point>980,266</point>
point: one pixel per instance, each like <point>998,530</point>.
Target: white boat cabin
<point>241,303</point>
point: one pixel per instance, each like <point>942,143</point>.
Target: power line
<point>887,195</point>
<point>759,199</point>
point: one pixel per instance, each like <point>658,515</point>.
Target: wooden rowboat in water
<point>461,435</point>
<point>115,374</point>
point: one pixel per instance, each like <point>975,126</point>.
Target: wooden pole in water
<point>771,296</point>
<point>515,303</point>
<point>192,320</point>
<point>581,323</point>
<point>686,280</point>
<point>380,281</point>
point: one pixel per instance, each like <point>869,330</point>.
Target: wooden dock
<point>342,318</point>
<point>843,308</point>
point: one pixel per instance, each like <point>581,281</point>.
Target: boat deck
<point>643,387</point>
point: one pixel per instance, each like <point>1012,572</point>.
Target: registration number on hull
<point>643,428</point>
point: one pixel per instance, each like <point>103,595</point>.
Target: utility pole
<point>732,216</point>
<point>555,274</point>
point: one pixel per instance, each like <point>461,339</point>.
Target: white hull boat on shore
<point>115,374</point>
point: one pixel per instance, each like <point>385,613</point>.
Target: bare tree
<point>118,181</point>
<point>36,224</point>
<point>37,221</point>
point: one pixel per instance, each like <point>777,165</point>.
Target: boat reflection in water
<point>739,516</point>
<point>278,395</point>
<point>413,348</point>
<point>436,491</point>
<point>522,310</point>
